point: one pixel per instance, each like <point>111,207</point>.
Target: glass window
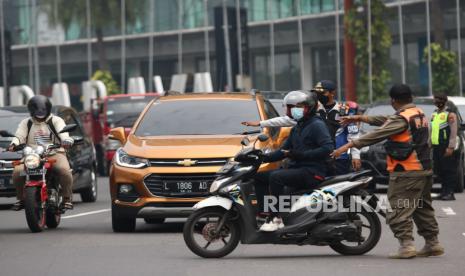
<point>123,112</point>
<point>197,117</point>
<point>271,113</point>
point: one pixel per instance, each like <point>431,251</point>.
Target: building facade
<point>177,36</point>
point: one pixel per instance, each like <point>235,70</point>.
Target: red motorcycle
<point>43,201</point>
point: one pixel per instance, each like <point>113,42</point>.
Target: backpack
<point>50,126</point>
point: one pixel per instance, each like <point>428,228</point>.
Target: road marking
<point>449,211</point>
<point>87,213</point>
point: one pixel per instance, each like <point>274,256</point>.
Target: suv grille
<point>188,162</point>
<point>155,183</point>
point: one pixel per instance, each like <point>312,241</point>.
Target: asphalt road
<point>84,244</point>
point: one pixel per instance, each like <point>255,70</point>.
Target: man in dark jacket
<point>307,146</point>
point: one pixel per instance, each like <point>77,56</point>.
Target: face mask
<point>297,113</point>
<point>440,104</point>
<point>323,99</point>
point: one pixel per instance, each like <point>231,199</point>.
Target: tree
<point>104,14</point>
<point>357,29</point>
<point>444,69</point>
<point>107,79</point>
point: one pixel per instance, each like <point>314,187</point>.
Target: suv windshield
<point>10,122</point>
<point>197,117</point>
<point>123,112</point>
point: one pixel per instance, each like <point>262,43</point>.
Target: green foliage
<point>107,79</point>
<point>357,29</point>
<point>444,69</point>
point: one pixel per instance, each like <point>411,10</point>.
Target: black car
<point>374,157</point>
<point>81,156</point>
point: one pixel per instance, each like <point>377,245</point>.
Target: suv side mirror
<point>68,128</point>
<point>118,134</point>
<point>245,142</point>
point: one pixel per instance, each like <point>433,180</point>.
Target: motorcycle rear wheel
<point>369,243</point>
<point>203,223</point>
<point>35,214</point>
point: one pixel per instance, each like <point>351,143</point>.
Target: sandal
<point>19,205</point>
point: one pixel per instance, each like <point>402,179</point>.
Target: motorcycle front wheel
<point>35,214</point>
<point>202,238</point>
<point>370,232</point>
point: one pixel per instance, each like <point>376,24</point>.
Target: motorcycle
<point>219,222</point>
<point>43,202</point>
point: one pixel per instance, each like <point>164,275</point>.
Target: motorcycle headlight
<point>40,150</point>
<point>217,183</point>
<point>27,150</point>
<point>125,160</point>
<point>32,161</point>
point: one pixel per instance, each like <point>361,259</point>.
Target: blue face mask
<point>297,113</point>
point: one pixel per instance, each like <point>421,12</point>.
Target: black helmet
<point>309,99</point>
<point>39,107</point>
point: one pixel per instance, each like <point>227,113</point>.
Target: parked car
<point>119,110</point>
<point>374,156</point>
<point>175,149</point>
<point>81,157</point>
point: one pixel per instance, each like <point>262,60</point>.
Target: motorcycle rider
<point>308,143</point>
<point>42,128</point>
<point>332,111</point>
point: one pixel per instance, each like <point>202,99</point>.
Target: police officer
<point>443,139</point>
<point>410,171</point>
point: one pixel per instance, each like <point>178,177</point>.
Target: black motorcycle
<point>228,216</point>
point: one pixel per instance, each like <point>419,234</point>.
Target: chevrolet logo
<point>187,162</point>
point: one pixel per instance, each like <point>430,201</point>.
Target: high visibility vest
<point>440,129</point>
<point>417,134</point>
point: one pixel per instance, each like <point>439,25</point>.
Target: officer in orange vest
<point>410,171</point>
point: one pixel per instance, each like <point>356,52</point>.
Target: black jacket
<point>310,144</point>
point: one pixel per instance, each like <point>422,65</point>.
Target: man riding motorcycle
<point>331,111</point>
<point>307,145</point>
<point>42,128</point>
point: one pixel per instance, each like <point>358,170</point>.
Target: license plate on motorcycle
<point>185,186</point>
<point>35,172</point>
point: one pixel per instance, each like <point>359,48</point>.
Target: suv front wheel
<point>121,224</point>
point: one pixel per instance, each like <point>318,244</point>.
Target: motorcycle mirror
<point>68,128</point>
<point>245,142</point>
<point>263,138</point>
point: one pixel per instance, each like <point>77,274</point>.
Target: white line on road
<point>87,213</point>
<point>449,211</point>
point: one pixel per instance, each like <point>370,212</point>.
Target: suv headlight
<point>217,183</point>
<point>32,161</point>
<point>125,160</point>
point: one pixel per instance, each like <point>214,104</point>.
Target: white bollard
<point>20,94</point>
<point>60,94</point>
<point>136,85</point>
<point>178,83</point>
<point>203,83</point>
<point>92,90</point>
<point>159,85</point>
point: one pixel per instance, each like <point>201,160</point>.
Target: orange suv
<point>175,149</point>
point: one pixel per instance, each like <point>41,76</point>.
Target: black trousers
<point>445,168</point>
<point>343,166</point>
<point>273,183</point>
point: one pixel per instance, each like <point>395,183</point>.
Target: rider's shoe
<point>272,225</point>
<point>19,205</point>
<point>69,206</point>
